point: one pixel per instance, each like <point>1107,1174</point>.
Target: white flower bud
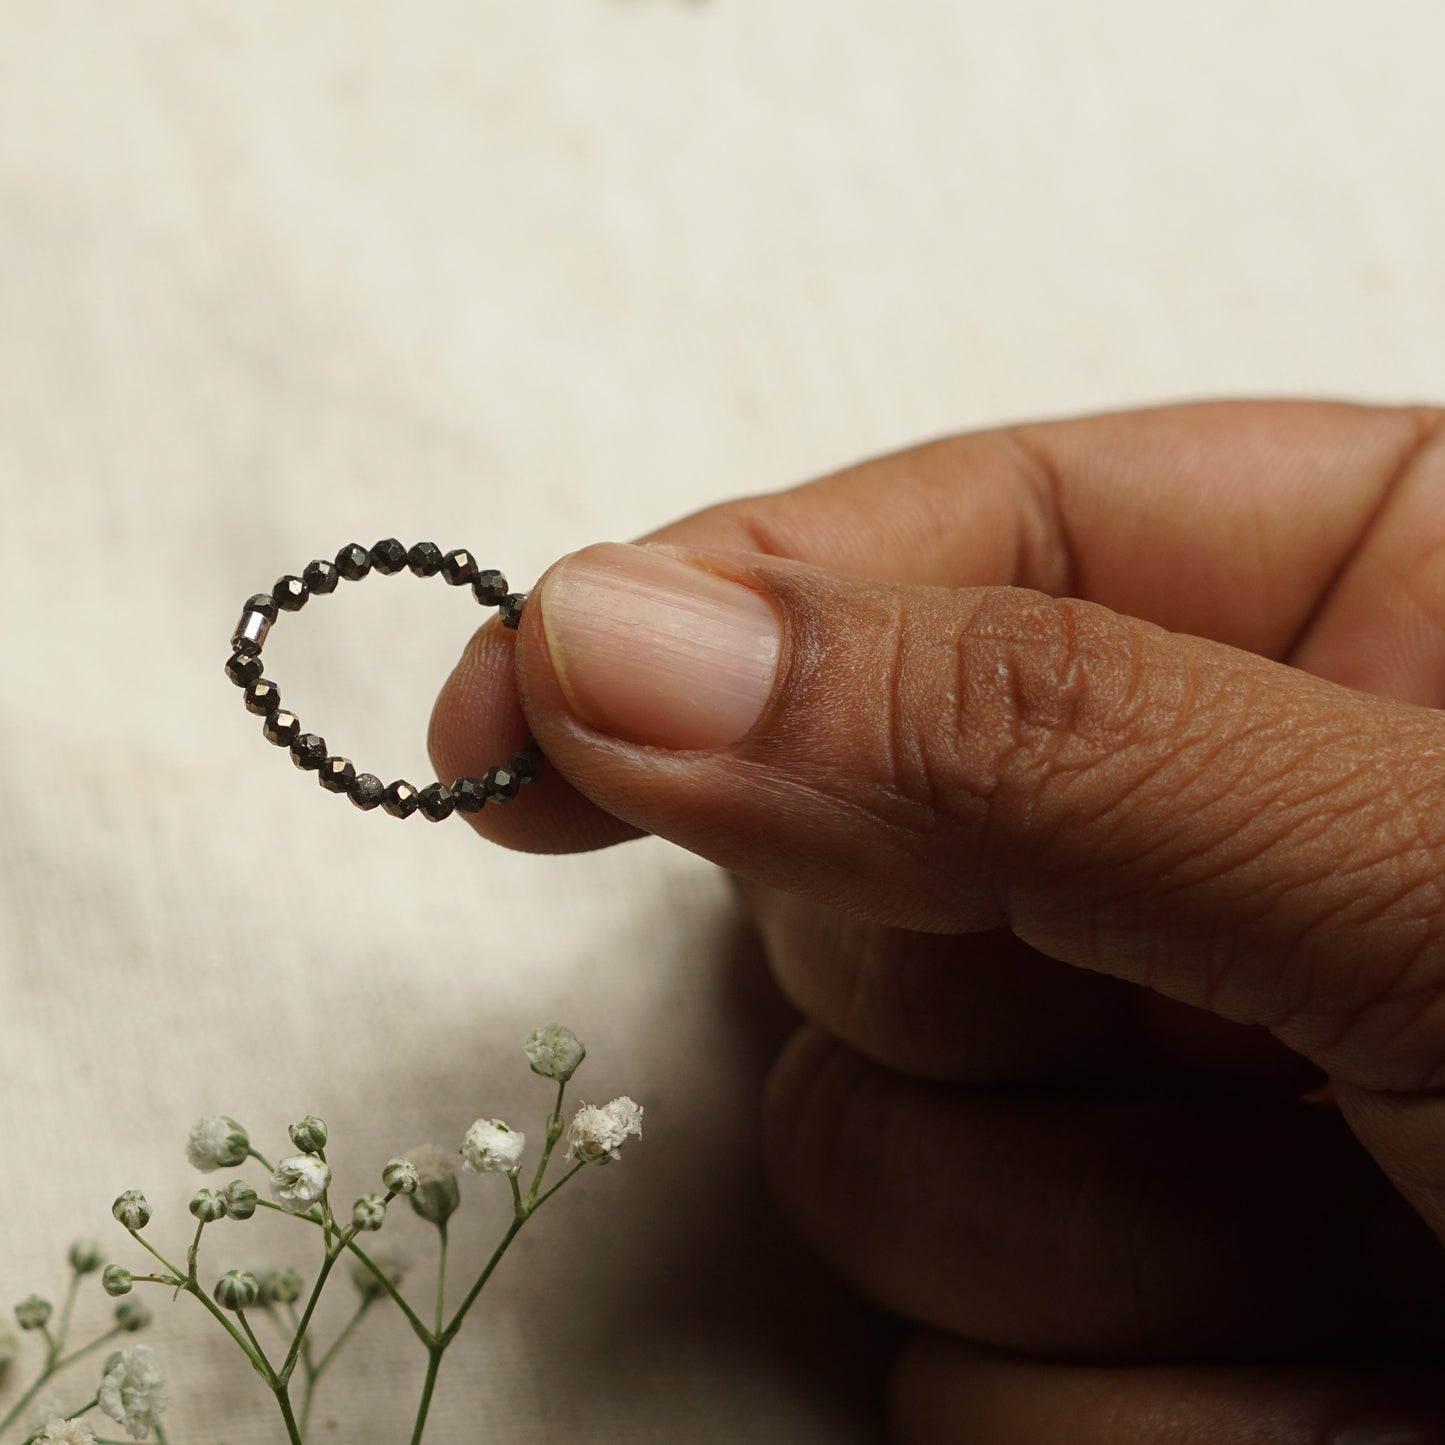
<point>130,1392</point>
<point>237,1289</point>
<point>60,1431</point>
<point>208,1205</point>
<point>86,1256</point>
<point>239,1199</point>
<point>116,1280</point>
<point>217,1142</point>
<point>309,1134</point>
<point>132,1315</point>
<point>596,1134</point>
<point>33,1313</point>
<point>400,1176</point>
<point>369,1212</point>
<point>280,1286</point>
<point>437,1191</point>
<point>554,1052</point>
<point>387,1258</point>
<point>299,1182</point>
<point>490,1147</point>
<point>132,1210</point>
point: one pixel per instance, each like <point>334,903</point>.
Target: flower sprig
<point>300,1186</point>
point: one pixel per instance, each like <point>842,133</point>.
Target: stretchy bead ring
<point>308,751</point>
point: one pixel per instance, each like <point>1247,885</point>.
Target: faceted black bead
<point>366,790</point>
<point>263,697</point>
<point>459,566</point>
<point>281,728</point>
<point>489,587</point>
<point>388,556</point>
<point>261,602</point>
<point>501,784</point>
<point>321,576</point>
<point>511,608</point>
<point>290,593</point>
<point>308,751</point>
<point>436,802</point>
<point>353,561</point>
<point>425,559</point>
<point>400,799</point>
<point>527,767</point>
<point>337,775</point>
<point>243,668</point>
<point>469,795</point>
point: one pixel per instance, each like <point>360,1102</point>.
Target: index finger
<point>1243,522</point>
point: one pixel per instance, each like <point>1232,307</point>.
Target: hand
<point>1087,781</point>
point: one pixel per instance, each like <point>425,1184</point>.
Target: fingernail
<point>1397,1430</point>
<point>658,651</point>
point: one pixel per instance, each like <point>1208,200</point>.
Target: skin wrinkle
<point>1046,492</point>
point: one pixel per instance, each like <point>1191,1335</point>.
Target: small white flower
<point>490,1147</point>
<point>217,1142</point>
<point>131,1391</point>
<point>299,1182</point>
<point>58,1431</point>
<point>596,1134</point>
<point>44,1407</point>
<point>554,1052</point>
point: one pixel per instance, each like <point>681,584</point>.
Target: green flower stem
<point>49,1372</point>
<point>188,1283</point>
<point>74,1415</point>
<point>314,1371</point>
<point>193,1251</point>
<point>293,1431</point>
<point>577,1168</point>
<point>554,1132</point>
<point>433,1364</point>
<point>333,1253</point>
<point>418,1328</point>
<point>62,1330</point>
<point>160,1433</point>
<point>262,1160</point>
<point>441,1276</point>
<point>255,1343</point>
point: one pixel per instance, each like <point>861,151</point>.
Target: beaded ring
<point>308,751</point>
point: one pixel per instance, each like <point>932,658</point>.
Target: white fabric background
<point>520,277</point>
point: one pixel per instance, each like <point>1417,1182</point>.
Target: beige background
<point>520,276</point>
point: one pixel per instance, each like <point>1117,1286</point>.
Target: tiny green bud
<point>309,1135</point>
<point>554,1052</point>
<point>437,1192</point>
<point>239,1199</point>
<point>369,1212</point>
<point>132,1210</point>
<point>116,1280</point>
<point>237,1289</point>
<point>86,1256</point>
<point>400,1176</point>
<point>208,1205</point>
<point>33,1313</point>
<point>132,1315</point>
<point>280,1286</point>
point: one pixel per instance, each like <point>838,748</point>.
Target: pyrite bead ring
<point>308,751</point>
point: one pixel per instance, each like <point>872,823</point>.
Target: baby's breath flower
<point>309,1134</point>
<point>369,1212</point>
<point>280,1286</point>
<point>239,1199</point>
<point>217,1142</point>
<point>299,1182</point>
<point>554,1052</point>
<point>86,1256</point>
<point>387,1258</point>
<point>490,1147</point>
<point>237,1289</point>
<point>33,1313</point>
<point>399,1175</point>
<point>437,1191</point>
<point>130,1392</point>
<point>596,1134</point>
<point>132,1209</point>
<point>59,1431</point>
<point>132,1315</point>
<point>208,1205</point>
<point>116,1280</point>
<point>45,1406</point>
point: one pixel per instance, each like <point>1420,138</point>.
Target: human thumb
<point>1225,829</point>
